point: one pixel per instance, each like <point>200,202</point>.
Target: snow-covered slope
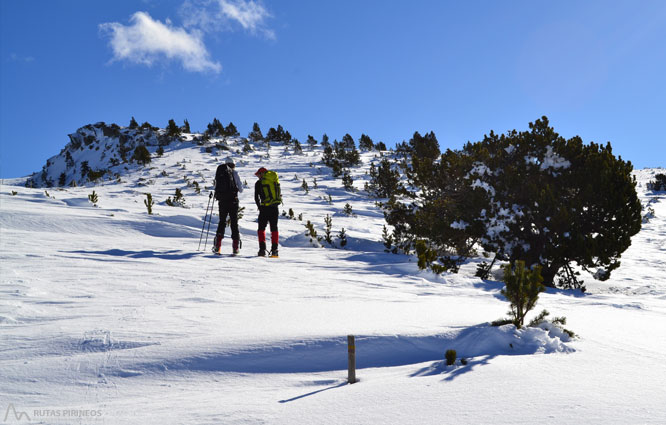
<point>112,313</point>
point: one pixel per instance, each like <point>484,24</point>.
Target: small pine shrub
<point>658,184</point>
<point>178,199</point>
<point>450,357</point>
<point>348,210</point>
<point>141,155</point>
<point>342,237</point>
<point>305,187</point>
<point>328,221</point>
<point>348,181</point>
<point>149,203</point>
<point>291,213</point>
<point>93,197</point>
<point>388,241</point>
<point>311,232</point>
<point>93,175</point>
<point>522,290</point>
<point>14,193</point>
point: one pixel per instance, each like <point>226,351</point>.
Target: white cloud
<point>17,58</point>
<point>147,41</point>
<point>220,15</point>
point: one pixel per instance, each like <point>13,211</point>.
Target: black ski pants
<point>228,208</point>
<point>268,214</point>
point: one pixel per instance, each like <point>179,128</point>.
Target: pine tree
<point>133,124</point>
<point>384,180</point>
<point>342,237</point>
<point>172,129</point>
<point>84,168</point>
<point>231,130</point>
<point>148,202</point>
<point>215,129</point>
<point>186,127</point>
<point>141,155</point>
<point>365,143</point>
<point>297,147</point>
<point>312,142</point>
<point>348,142</point>
<point>531,196</point>
<point>522,290</point>
<point>255,135</point>
<point>347,181</point>
<point>327,230</point>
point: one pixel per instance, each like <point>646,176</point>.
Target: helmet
<point>260,171</point>
<point>230,160</point>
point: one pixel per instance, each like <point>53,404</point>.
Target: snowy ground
<point>108,312</point>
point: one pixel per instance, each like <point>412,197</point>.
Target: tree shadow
<point>341,384</point>
<point>164,255</point>
<point>452,372</point>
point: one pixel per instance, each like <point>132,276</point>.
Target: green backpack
<point>270,194</point>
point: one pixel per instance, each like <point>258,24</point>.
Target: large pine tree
<point>531,196</point>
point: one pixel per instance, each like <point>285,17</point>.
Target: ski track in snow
<point>107,308</point>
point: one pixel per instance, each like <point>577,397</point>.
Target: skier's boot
<point>217,244</point>
<point>274,244</point>
<point>236,246</point>
<point>262,242</point>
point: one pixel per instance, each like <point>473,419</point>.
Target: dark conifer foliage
<point>384,179</point>
<point>255,135</point>
<point>231,130</point>
<point>133,124</point>
<point>531,196</point>
<point>215,129</point>
<point>278,135</point>
<point>658,184</point>
<point>172,129</point>
<point>141,155</point>
<point>365,143</point>
<point>186,127</point>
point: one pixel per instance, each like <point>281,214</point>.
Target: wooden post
<point>351,351</point>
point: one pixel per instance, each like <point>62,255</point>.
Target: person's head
<point>230,162</point>
<point>260,172</point>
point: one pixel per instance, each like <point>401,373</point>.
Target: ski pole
<point>210,220</point>
<point>210,196</point>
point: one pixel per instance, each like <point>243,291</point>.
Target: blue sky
<point>384,68</point>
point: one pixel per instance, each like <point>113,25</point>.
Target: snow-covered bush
<point>658,184</point>
<point>530,195</point>
<point>178,199</point>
